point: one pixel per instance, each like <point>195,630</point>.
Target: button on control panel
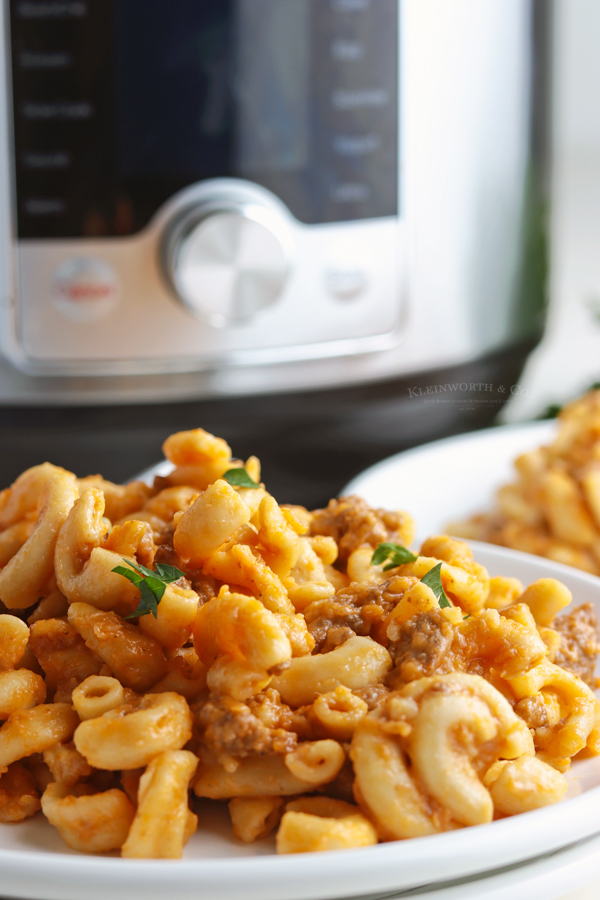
<point>348,269</point>
<point>85,289</point>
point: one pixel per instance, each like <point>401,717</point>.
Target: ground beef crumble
<point>533,711</point>
<point>423,643</point>
<point>579,645</point>
<point>352,523</point>
<point>372,694</point>
<point>205,586</point>
<point>355,609</point>
<point>232,729</point>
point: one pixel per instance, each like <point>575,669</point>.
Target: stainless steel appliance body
<point>206,199</point>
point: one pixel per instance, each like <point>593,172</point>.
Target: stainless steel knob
<point>227,262</point>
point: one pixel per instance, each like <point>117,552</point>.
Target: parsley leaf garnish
<point>396,553</point>
<point>433,580</point>
<point>239,478</point>
<point>151,585</point>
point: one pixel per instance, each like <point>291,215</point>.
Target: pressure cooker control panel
<point>129,117</point>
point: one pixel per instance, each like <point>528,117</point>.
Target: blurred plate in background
<point>450,479</point>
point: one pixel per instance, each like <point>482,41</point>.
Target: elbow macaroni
<point>357,663</point>
<point>23,578</point>
<point>163,822</point>
<point>92,823</point>
<point>314,824</point>
<point>130,736</point>
<point>282,664</point>
<point>552,508</point>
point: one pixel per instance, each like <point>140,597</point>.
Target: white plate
<point>34,862</point>
<point>452,478</point>
<point>569,874</point>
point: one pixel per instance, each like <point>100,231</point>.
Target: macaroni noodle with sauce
<point>196,639</point>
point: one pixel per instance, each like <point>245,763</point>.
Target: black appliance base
<point>310,443</point>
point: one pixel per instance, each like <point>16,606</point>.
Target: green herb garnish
<point>396,553</point>
<point>433,580</point>
<point>239,478</point>
<point>151,585</point>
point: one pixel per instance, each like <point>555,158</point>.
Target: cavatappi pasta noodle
<point>284,673</point>
<point>552,509</point>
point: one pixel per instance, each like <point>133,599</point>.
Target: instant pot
<point>297,223</point>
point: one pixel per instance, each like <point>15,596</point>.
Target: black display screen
<point>174,111</point>
<point>118,104</point>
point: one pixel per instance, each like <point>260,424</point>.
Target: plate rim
<point>482,434</point>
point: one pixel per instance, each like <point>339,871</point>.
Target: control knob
<point>227,261</point>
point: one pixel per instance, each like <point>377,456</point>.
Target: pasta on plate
<point>196,639</point>
<point>552,509</point>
